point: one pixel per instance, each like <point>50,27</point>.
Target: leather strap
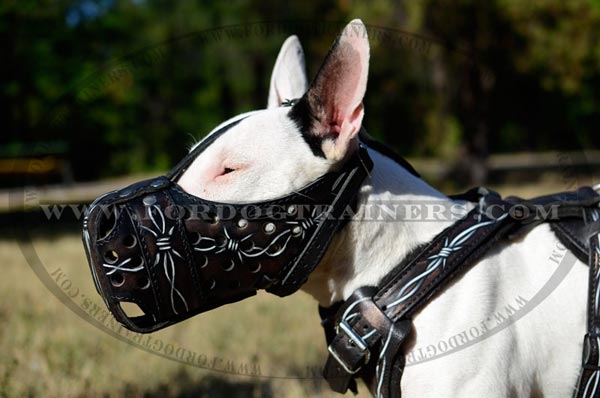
<point>589,378</point>
<point>296,273</point>
<point>365,333</point>
<point>373,323</point>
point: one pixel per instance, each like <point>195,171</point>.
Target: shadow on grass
<point>37,222</point>
<point>182,385</point>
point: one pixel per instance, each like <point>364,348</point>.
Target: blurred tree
<point>527,80</point>
<point>130,85</point>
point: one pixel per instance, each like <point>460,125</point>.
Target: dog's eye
<point>225,171</point>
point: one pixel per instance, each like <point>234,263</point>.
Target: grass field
<point>47,350</point>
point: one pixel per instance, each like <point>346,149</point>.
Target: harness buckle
<point>591,351</point>
<point>355,341</point>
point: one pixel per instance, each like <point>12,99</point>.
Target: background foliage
<point>130,85</point>
<point>126,87</point>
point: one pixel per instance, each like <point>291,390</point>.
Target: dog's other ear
<point>330,113</point>
<point>288,80</point>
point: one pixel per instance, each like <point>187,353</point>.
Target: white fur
<point>536,356</point>
<point>270,157</point>
<point>288,80</point>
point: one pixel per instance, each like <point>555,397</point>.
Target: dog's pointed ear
<point>330,113</point>
<point>288,80</point>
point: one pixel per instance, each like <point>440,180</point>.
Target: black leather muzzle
<point>176,255</point>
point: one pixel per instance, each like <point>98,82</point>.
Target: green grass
<point>46,350</point>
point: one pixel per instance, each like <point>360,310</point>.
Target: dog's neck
<point>375,241</point>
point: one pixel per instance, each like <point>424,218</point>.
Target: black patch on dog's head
<point>301,114</point>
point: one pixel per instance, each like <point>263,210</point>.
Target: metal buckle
<point>355,340</point>
<point>590,351</point>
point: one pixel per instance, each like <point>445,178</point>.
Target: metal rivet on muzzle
<point>149,200</point>
<point>269,227</point>
<point>156,184</point>
<point>242,223</point>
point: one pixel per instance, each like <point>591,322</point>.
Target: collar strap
<point>296,273</point>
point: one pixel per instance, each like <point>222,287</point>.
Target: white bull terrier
<point>278,150</point>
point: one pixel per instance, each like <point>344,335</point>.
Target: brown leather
<point>452,258</point>
<point>384,340</point>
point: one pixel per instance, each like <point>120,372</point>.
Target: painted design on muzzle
<point>176,255</point>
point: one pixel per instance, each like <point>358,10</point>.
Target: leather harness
<point>365,333</point>
<point>175,256</point>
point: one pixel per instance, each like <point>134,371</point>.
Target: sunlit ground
<point>48,351</point>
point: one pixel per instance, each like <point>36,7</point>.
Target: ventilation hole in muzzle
<point>117,279</point>
<point>137,262</point>
<point>210,284</point>
<point>228,266</point>
<point>129,241</point>
<point>256,268</point>
<point>143,282</point>
<point>107,222</point>
<point>274,249</point>
<point>204,261</point>
<point>131,310</point>
<point>111,256</point>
